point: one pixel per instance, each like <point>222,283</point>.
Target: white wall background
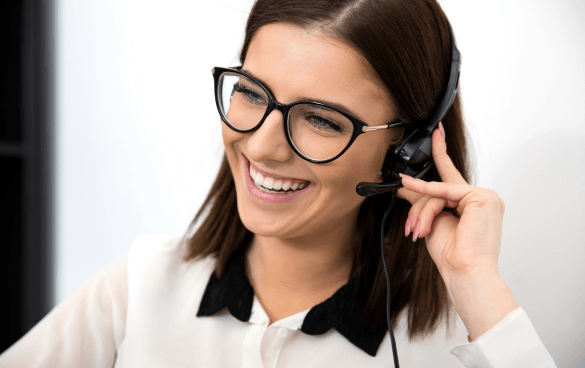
<point>138,135</point>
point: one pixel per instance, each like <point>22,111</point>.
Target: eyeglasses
<point>317,132</point>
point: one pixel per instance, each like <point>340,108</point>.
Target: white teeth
<point>262,188</point>
<point>268,182</point>
<point>259,179</point>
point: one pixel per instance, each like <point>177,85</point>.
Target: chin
<point>259,221</point>
<point>261,224</point>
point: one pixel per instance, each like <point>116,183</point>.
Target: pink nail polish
<point>407,227</point>
<point>404,175</point>
<point>416,228</point>
<point>442,130</point>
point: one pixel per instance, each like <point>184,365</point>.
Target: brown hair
<point>408,47</point>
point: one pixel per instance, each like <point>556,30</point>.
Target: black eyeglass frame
<point>359,126</point>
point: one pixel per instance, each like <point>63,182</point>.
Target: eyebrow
<point>307,99</point>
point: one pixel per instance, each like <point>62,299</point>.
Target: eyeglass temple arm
<point>378,127</point>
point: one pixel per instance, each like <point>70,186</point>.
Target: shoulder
<point>88,326</point>
<point>156,265</point>
<point>161,250</point>
<point>145,249</point>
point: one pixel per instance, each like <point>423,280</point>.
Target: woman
<point>284,269</point>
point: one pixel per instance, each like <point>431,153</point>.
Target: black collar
<point>341,311</point>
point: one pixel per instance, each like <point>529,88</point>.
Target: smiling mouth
<point>274,185</point>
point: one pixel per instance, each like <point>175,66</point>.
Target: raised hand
<point>465,250</point>
<point>456,245</point>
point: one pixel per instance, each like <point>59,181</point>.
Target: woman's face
<point>298,64</point>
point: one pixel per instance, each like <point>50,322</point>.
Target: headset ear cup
<point>398,156</point>
<point>390,158</point>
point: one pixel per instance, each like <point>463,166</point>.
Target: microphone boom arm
<point>369,189</point>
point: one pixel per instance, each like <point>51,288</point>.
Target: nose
<point>269,142</point>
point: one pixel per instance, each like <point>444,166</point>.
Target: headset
<point>412,156</point>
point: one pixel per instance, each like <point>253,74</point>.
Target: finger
<point>447,170</point>
<point>432,208</point>
<point>413,215</point>
<point>409,195</point>
<point>449,191</point>
<point>461,193</point>
<point>451,204</point>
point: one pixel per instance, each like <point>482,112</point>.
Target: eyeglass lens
<point>317,132</point>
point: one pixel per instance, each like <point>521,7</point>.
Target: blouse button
<point>282,332</point>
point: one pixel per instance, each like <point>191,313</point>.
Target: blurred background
<point>109,131</point>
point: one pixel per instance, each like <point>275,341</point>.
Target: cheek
<point>340,180</point>
<point>228,135</point>
<point>360,163</point>
<point>231,141</point>
<point>365,161</point>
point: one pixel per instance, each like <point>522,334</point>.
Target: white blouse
<point>148,309</point>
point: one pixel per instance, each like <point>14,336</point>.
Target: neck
<point>292,275</point>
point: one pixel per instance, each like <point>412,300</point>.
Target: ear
<point>380,177</point>
<point>384,170</point>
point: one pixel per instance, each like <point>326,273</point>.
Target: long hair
<point>408,47</point>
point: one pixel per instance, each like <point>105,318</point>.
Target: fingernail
<point>407,227</point>
<point>404,175</point>
<point>415,234</point>
<point>442,130</point>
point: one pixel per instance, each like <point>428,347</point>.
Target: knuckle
<point>431,210</point>
<point>452,204</point>
<point>494,194</point>
<point>423,225</point>
<point>437,205</point>
<point>414,212</point>
<point>489,196</point>
<point>417,209</point>
<point>420,203</point>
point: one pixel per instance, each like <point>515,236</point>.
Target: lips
<point>273,188</point>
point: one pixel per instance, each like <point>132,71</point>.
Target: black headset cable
<point>382,248</point>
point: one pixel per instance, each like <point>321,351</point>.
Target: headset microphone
<point>413,156</point>
<point>369,189</point>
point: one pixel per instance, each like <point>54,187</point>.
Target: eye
<point>250,94</point>
<point>324,123</point>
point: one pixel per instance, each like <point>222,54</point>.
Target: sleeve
<point>513,342</point>
<point>85,330</point>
